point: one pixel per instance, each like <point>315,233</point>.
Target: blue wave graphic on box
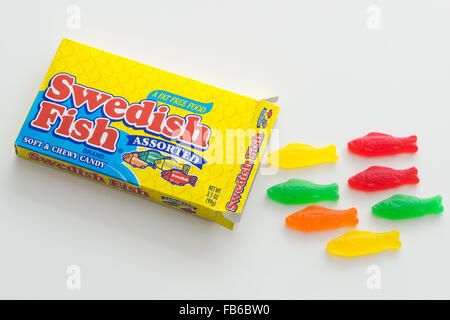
<point>113,166</point>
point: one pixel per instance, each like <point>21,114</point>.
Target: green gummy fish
<point>296,191</point>
<point>402,206</point>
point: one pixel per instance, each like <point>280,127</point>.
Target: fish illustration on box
<point>172,171</point>
<point>143,159</point>
<point>168,164</point>
<point>178,177</point>
<point>264,117</point>
<point>154,160</point>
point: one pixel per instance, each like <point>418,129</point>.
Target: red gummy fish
<point>381,144</point>
<point>178,177</point>
<point>380,178</point>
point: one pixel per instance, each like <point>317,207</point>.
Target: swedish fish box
<point>161,136</point>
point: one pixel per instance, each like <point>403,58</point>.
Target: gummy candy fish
<point>380,144</point>
<point>315,218</point>
<point>380,178</point>
<point>296,191</point>
<point>358,243</point>
<point>403,207</point>
<point>179,178</point>
<point>297,155</point>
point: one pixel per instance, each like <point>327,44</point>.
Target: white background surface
<point>337,80</point>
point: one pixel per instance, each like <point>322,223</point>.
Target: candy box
<point>148,132</point>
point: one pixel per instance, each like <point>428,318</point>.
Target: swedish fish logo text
<point>146,115</point>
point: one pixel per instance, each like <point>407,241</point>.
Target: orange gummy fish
<point>315,218</point>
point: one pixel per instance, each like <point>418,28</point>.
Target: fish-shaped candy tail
<point>357,243</point>
<point>315,218</point>
<point>297,155</point>
<point>297,191</point>
<point>381,144</point>
<point>402,206</point>
<point>178,177</point>
<point>379,178</point>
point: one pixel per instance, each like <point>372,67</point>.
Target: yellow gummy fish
<point>297,155</point>
<point>358,243</point>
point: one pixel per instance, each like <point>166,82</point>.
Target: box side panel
<point>146,193</point>
<point>258,135</point>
